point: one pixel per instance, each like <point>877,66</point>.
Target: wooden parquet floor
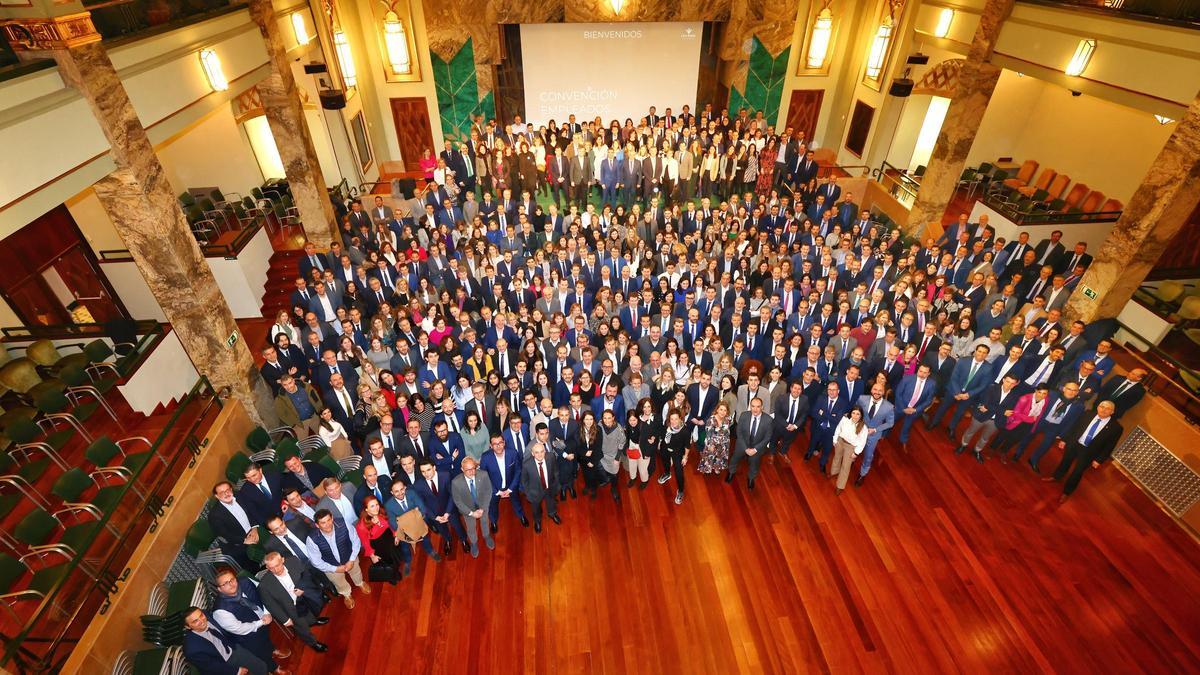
<point>936,564</point>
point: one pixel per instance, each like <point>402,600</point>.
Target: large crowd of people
<point>599,308</point>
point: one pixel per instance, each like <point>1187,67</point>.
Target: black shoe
<point>950,433</point>
<point>466,547</point>
<point>750,484</point>
<point>729,478</point>
<point>859,481</point>
<point>562,495</point>
<point>1033,465</point>
<point>320,621</point>
<point>436,557</point>
<point>524,521</point>
<point>642,485</point>
<point>537,526</point>
<point>979,457</point>
<point>556,519</point>
<point>572,491</point>
<point>446,547</point>
<point>630,482</point>
<point>319,647</point>
<point>960,449</point>
<point>495,527</point>
<point>808,456</point>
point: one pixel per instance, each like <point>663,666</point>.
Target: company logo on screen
<point>612,35</point>
<point>688,34</point>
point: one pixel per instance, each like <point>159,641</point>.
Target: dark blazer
<point>225,526</point>
<point>1103,443</point>
<point>762,435</point>
<point>203,655</point>
<point>531,482</point>
<point>441,503</point>
<point>316,474</point>
<point>361,492</point>
<point>512,470</point>
<point>278,601</point>
<point>989,405</point>
<point>1127,400</point>
<point>258,506</point>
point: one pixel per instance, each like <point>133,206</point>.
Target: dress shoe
<point>474,551</point>
<point>616,496</point>
<point>491,543</point>
<point>629,483</point>
<point>808,456</point>
<point>859,481</point>
<point>786,460</point>
<point>466,547</point>
<point>366,590</point>
<point>837,491</point>
<point>524,521</point>
<point>662,480</point>
<point>678,497</point>
<point>556,519</point>
<point>960,449</point>
<point>950,433</point>
<point>495,527</point>
<point>1063,498</point>
<point>750,485</point>
<point>280,654</point>
<point>904,446</point>
<point>562,494</point>
<point>729,478</point>
<point>979,457</point>
<point>319,647</point>
<point>349,601</point>
<point>1033,465</point>
<point>446,547</point>
<point>572,491</point>
<point>537,527</point>
<point>642,485</point>
<point>320,621</point>
<point>770,459</point>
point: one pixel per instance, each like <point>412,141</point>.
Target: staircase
<point>281,281</point>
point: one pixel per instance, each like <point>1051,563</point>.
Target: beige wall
<point>214,152</point>
<point>1097,142</point>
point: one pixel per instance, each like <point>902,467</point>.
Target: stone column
<point>1157,211</point>
<point>285,115</point>
<point>147,215</point>
<point>976,81</point>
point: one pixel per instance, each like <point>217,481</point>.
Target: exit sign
<point>1089,293</point>
<point>231,340</point>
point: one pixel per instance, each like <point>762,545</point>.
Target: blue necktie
<point>474,497</point>
<point>1091,432</point>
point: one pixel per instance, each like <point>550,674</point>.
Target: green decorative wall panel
<point>764,83</point>
<point>458,92</point>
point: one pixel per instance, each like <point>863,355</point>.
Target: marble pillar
<point>147,215</point>
<point>976,81</point>
<point>1157,211</point>
<point>285,115</point>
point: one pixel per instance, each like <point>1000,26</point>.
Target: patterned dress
<point>766,170</point>
<point>714,458</point>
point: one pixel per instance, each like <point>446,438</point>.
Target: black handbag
<point>383,572</point>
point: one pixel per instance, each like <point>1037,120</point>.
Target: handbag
<point>382,572</point>
<point>634,452</point>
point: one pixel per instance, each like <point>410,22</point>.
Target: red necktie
<point>433,486</point>
<point>542,474</point>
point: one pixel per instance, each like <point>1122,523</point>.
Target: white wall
<point>166,375</point>
<point>1094,141</point>
<point>212,153</point>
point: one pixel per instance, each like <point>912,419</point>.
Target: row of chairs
<point>211,215</point>
<point>163,627</point>
<point>1048,192</point>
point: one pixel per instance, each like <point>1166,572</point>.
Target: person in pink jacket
<point>1021,423</point>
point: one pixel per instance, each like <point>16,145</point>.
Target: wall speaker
<point>918,59</point>
<point>315,67</point>
<point>901,88</point>
<point>332,99</point>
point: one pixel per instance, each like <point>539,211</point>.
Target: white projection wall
<point>614,70</point>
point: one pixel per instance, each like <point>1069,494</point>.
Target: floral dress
<point>751,175</point>
<point>714,458</point>
<point>766,170</point>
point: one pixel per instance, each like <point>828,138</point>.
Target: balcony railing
<point>1176,12</point>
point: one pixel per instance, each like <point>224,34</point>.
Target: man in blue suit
<point>826,411</point>
<point>969,379</point>
<point>1062,412</point>
<point>504,470</point>
<point>610,400</point>
<point>401,501</point>
<point>213,650</point>
<point>879,416</point>
<point>433,487</point>
<point>988,413</point>
<point>516,437</point>
<point>446,448</point>
<point>434,370</point>
<point>702,400</point>
<point>914,395</point>
<point>610,178</point>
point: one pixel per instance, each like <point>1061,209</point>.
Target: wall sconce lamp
<point>616,5</point>
<point>1081,58</point>
<point>943,25</point>
<point>345,57</point>
<point>395,40</point>
<point>879,49</point>
<point>822,37</point>
<point>300,29</point>
<point>211,63</point>
<point>1163,119</point>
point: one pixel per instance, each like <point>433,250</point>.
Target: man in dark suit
<point>826,411</point>
<point>702,400</point>
<point>1124,392</point>
<point>302,476</point>
<point>231,523</point>
<point>503,467</point>
<point>261,494</point>
<point>374,484</point>
<point>790,412</point>
<point>1062,410</point>
<point>1048,251</point>
<point>389,443</point>
<point>988,414</point>
<point>913,397</point>
<point>293,598</point>
<point>214,651</point>
<point>1089,444</point>
<point>564,440</point>
<point>970,377</point>
<point>434,489</point>
<point>539,484</point>
<point>312,260</point>
<point>754,434</point>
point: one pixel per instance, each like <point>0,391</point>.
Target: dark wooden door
<point>413,130</point>
<point>804,110</point>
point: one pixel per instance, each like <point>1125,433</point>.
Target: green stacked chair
<point>104,450</point>
<point>56,407</point>
<point>79,384</point>
<point>13,570</point>
<point>236,468</point>
<point>158,661</point>
<point>29,472</point>
<point>187,199</point>
<point>27,438</point>
<point>44,532</point>
<point>71,486</point>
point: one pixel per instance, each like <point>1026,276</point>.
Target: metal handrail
<point>108,571</point>
<point>228,250</point>
<point>1034,217</point>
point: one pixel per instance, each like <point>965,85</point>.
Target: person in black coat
<point>790,411</point>
<point>1089,445</point>
<point>676,440</point>
<point>240,612</point>
<point>261,494</point>
<point>564,443</point>
<point>1123,392</point>
<point>213,651</point>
